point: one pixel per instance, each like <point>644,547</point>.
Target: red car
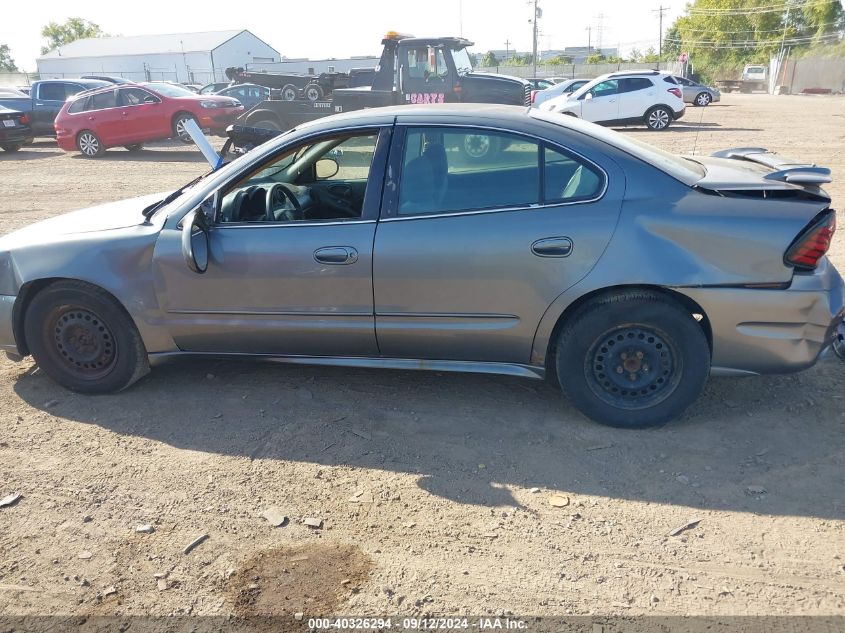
<point>129,115</point>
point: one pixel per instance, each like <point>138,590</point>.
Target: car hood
<point>104,217</point>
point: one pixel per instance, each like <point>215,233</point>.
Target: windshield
<point>687,171</point>
<point>463,65</point>
<point>169,90</point>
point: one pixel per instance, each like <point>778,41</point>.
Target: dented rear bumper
<point>772,331</point>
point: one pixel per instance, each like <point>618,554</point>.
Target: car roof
<point>90,83</point>
<point>635,73</point>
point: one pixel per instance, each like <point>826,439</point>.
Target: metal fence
<point>17,79</point>
<point>812,75</point>
<point>585,71</point>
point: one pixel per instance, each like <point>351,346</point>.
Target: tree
<point>559,60</point>
<point>7,64</point>
<point>73,29</point>
<point>488,59</point>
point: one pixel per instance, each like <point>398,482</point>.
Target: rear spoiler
<point>785,169</point>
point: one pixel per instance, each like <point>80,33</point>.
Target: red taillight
<point>676,92</point>
<point>534,95</point>
<point>24,119</point>
<point>813,243</point>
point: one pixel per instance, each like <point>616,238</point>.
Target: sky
<point>319,29</point>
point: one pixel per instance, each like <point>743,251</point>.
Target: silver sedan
<point>455,238</point>
<point>698,94</point>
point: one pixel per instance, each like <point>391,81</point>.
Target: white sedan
<point>561,89</point>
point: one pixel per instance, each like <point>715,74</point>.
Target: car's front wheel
<point>703,99</point>
<point>180,129</point>
<point>11,147</point>
<point>658,118</point>
<point>632,359</point>
<point>89,144</point>
<point>82,338</point>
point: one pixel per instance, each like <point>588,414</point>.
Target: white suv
<point>619,98</point>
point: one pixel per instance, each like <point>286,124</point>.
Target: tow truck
<point>410,70</point>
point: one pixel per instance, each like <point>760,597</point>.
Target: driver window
<point>325,179</point>
<point>605,88</point>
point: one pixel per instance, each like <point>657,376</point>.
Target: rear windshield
<point>687,171</point>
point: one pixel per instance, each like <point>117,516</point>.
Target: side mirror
<point>588,96</point>
<point>326,168</point>
<point>195,241</point>
<point>150,100</point>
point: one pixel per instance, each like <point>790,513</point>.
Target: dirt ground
<point>433,491</point>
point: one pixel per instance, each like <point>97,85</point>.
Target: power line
<point>753,31</point>
<point>752,44</point>
<point>759,9</point>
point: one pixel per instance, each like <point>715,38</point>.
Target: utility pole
<point>660,11</point>
<point>507,50</point>
<point>537,13</point>
<point>589,30</point>
<point>599,31</point>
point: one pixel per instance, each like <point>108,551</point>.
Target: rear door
<point>474,245</point>
<point>636,95</point>
<point>104,118</point>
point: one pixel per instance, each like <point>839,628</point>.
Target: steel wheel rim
<point>289,95</point>
<point>650,365</point>
<point>477,145</point>
<point>82,342</point>
<point>88,144</point>
<point>312,94</point>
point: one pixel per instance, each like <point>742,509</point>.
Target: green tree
<point>649,56</point>
<point>488,59</point>
<point>73,29</point>
<point>7,64</point>
<point>559,60</point>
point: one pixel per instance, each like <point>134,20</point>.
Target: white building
<point>184,57</point>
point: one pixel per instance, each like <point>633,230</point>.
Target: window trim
<point>390,199</point>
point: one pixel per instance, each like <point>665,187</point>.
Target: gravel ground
<point>435,492</point>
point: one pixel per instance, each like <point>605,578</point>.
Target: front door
<point>290,266</point>
<point>476,245</point>
<point>47,103</point>
<point>601,102</point>
<point>142,116</point>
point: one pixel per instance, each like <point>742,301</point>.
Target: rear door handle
<point>336,255</point>
<point>552,247</point>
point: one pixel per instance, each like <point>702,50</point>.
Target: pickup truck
<point>46,97</point>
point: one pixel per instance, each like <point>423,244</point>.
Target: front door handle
<point>552,247</point>
<point>336,255</point>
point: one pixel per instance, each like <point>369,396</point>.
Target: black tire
<point>83,339</point>
<point>658,118</point>
<point>179,130</point>
<point>89,144</point>
<point>659,347</point>
<point>135,147</point>
<point>289,92</point>
<point>313,92</point>
<point>11,147</point>
<point>703,99</point>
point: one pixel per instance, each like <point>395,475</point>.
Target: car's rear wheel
<point>135,147</point>
<point>11,147</point>
<point>658,118</point>
<point>82,338</point>
<point>703,99</point>
<point>180,129</point>
<point>89,144</point>
<point>632,359</point>
<point>289,92</point>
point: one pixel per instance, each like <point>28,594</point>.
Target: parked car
<point>561,89</point>
<point>15,131</point>
<point>134,114</point>
<point>7,92</point>
<point>248,94</point>
<point>540,83</point>
<point>627,273</point>
<point>195,88</point>
<point>210,89</point>
<point>109,78</point>
<point>627,97</point>
<point>46,99</point>
<point>696,93</point>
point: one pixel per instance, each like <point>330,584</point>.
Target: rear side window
<point>104,100</point>
<point>52,92</point>
<point>670,80</point>
<point>79,105</point>
<point>568,178</point>
<point>452,170</point>
<point>632,84</point>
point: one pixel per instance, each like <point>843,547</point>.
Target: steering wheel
<point>288,214</point>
